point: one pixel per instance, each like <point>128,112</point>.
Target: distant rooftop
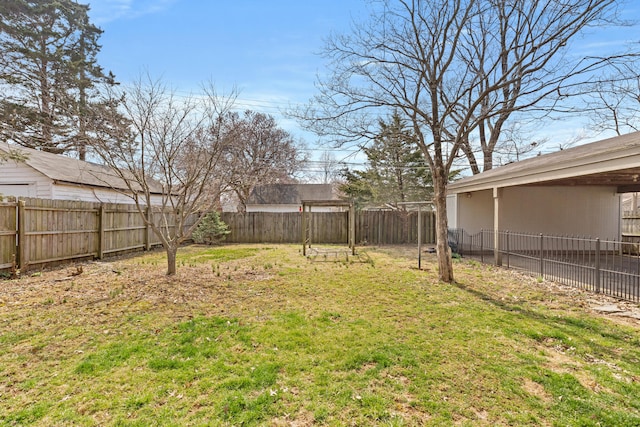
<point>64,169</point>
<point>290,194</point>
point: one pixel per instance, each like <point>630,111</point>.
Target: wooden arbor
<point>306,209</point>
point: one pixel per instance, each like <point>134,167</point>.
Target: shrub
<point>211,230</point>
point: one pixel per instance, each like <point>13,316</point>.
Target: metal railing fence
<point>601,266</point>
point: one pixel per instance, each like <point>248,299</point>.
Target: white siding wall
<point>452,210</point>
<point>589,211</point>
<point>21,180</point>
<point>475,211</point>
<point>88,194</point>
<point>18,179</point>
<point>91,194</point>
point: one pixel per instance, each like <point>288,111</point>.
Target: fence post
<point>23,253</point>
<point>147,231</point>
<point>482,246</point>
<point>303,231</point>
<point>419,239</point>
<point>506,236</point>
<point>597,272</point>
<point>101,226</point>
<point>541,256</point>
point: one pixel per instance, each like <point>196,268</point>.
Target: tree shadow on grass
<point>577,331</point>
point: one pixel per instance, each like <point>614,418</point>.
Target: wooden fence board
<point>58,230</point>
<point>8,226</point>
<point>372,227</point>
<point>51,231</point>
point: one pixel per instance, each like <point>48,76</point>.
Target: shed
<point>575,192</point>
<point>51,176</point>
<point>289,197</point>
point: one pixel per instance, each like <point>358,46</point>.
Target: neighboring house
<point>289,197</point>
<point>574,192</point>
<point>51,176</point>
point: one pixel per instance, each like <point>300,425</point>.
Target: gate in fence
<point>601,266</point>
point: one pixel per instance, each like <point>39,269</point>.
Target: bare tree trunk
<point>172,251</point>
<point>445,266</point>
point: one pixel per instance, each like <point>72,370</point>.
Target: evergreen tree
<point>395,171</point>
<point>49,76</point>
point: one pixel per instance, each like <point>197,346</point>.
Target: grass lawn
<point>259,335</point>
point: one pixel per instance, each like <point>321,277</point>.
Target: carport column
<point>497,195</point>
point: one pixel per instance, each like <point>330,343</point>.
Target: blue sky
<point>267,48</point>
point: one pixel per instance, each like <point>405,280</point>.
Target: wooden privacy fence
<point>36,232</point>
<point>39,231</point>
<point>372,227</point>
<point>630,228</point>
<point>8,227</point>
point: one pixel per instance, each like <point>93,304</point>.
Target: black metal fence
<point>601,266</point>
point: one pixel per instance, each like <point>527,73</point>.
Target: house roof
<point>67,170</point>
<point>612,162</point>
<point>290,194</point>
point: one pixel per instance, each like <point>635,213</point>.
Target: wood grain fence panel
<point>630,226</point>
<point>8,234</point>
<point>54,231</point>
<point>123,229</point>
<point>57,230</point>
<point>372,227</point>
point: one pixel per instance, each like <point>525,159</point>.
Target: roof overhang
<point>611,162</point>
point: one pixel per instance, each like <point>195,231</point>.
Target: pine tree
<point>49,76</point>
<point>395,170</point>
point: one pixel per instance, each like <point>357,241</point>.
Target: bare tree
<point>615,101</point>
<point>261,153</point>
<point>520,55</point>
<point>453,69</point>
<point>173,148</point>
<point>7,152</point>
<point>329,167</point>
<point>516,143</point>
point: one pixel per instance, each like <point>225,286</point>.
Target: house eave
<point>601,168</point>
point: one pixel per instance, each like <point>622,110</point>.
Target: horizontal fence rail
<point>600,266</point>
<point>38,232</point>
<point>371,227</point>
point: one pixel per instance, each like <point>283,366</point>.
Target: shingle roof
<point>612,161</point>
<point>73,171</point>
<point>290,194</point>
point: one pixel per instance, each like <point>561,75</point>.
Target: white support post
<point>497,195</point>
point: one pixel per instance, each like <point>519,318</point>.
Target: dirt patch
<point>126,286</point>
<point>126,281</point>
<point>537,390</point>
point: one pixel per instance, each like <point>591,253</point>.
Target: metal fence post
<point>482,246</point>
<point>597,272</point>
<point>541,255</point>
<point>506,236</point>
